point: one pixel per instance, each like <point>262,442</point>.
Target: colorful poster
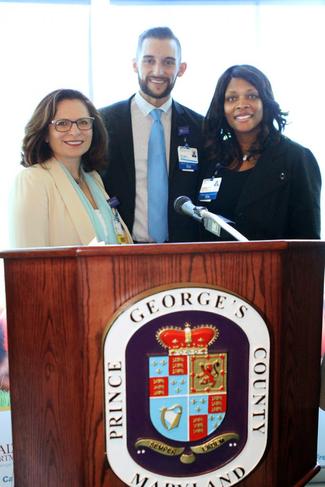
<point>321,427</point>
<point>6,454</point>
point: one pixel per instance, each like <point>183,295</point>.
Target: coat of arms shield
<point>187,387</point>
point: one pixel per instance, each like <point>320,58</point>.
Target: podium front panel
<point>60,303</point>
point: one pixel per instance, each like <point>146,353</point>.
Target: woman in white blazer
<point>59,198</point>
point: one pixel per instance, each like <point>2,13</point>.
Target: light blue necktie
<point>157,181</point>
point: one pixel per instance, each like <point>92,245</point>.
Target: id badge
<point>209,189</point>
<point>187,158</point>
<point>120,233</point>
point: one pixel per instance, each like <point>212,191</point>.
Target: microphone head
<point>179,202</point>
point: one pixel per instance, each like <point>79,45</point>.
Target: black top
<point>230,190</point>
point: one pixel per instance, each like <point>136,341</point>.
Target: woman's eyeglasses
<point>64,124</point>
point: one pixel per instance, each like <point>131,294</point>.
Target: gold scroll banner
<point>214,443</point>
<point>159,447</point>
<point>172,451</point>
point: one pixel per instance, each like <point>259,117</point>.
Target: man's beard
<point>145,88</point>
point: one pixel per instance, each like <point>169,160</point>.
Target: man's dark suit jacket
<point>119,178</point>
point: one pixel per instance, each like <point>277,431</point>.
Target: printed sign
<point>6,450</point>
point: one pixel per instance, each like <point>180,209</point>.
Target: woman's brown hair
<point>35,149</point>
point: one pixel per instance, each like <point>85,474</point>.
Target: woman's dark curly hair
<point>221,142</point>
<point>36,150</point>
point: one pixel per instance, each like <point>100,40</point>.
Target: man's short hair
<point>158,33</point>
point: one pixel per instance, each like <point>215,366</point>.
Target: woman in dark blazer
<point>267,185</point>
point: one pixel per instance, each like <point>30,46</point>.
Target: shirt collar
<point>146,107</point>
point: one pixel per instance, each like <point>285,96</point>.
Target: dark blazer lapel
<point>269,175</point>
<point>178,120</point>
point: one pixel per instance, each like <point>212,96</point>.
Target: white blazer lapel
<point>73,204</point>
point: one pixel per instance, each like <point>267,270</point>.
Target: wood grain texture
<point>60,302</point>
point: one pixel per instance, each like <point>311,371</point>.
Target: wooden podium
<point>59,302</point>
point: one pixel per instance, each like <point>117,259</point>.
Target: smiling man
<point>146,195</point>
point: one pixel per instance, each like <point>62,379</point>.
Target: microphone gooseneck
<point>213,223</point>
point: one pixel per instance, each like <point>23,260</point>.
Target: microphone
<point>184,206</point>
<point>213,223</point>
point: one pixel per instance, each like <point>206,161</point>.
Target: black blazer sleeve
<point>304,201</point>
<point>119,177</point>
